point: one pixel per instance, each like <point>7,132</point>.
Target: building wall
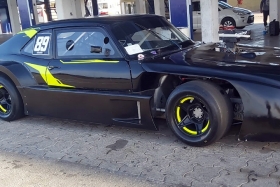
<point>253,5</point>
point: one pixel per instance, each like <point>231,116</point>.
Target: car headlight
<point>239,13</point>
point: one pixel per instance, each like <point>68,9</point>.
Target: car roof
<point>94,20</point>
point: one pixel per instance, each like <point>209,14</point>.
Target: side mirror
<point>96,49</point>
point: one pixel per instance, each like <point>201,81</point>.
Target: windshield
<point>148,36</point>
<point>224,5</point>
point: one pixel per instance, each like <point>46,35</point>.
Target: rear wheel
<point>199,113</point>
<point>11,106</point>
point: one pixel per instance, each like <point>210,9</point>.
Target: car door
<point>196,15</point>
<point>84,76</point>
<point>88,59</point>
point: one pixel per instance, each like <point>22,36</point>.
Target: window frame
<point>50,55</point>
<point>118,54</point>
<point>198,4</point>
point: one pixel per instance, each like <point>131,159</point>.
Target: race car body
<point>130,69</point>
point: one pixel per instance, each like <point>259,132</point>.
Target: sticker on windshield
<point>42,44</point>
<point>133,49</point>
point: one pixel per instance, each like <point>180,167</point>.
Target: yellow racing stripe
<point>47,76</point>
<point>29,32</point>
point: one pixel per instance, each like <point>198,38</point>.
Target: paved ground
<point>156,157</point>
<point>37,151</point>
<point>26,171</point>
<point>258,38</point>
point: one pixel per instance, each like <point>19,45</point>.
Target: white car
<point>228,15</point>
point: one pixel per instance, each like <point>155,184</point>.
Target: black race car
<point>131,69</point>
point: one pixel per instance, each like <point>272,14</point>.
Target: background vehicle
<point>131,69</point>
<point>228,15</point>
<point>109,7</point>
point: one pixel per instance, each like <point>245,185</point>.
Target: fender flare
<point>6,72</point>
<point>18,74</point>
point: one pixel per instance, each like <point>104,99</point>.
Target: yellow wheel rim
<point>3,101</point>
<point>179,119</point>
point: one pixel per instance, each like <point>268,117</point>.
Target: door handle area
<point>52,67</point>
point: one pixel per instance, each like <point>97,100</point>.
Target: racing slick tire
<point>199,113</point>
<point>11,105</point>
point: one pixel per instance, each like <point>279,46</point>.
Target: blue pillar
<point>178,13</point>
<point>26,13</point>
<point>95,7</point>
<point>5,22</point>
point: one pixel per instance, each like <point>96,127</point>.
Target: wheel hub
<point>198,113</point>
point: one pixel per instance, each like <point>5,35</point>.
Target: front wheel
<point>226,22</point>
<point>199,113</point>
<point>11,105</point>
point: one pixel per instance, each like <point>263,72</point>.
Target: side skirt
<point>109,108</point>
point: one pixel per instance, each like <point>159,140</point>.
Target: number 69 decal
<point>42,44</point>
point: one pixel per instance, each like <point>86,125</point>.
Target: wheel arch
<point>17,73</point>
<point>19,76</point>
<point>228,17</point>
<point>9,75</point>
<point>168,82</point>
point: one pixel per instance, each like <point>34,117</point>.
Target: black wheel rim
<point>5,102</point>
<point>192,116</point>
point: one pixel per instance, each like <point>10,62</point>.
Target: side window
<point>85,43</point>
<point>196,6</point>
<point>40,45</point>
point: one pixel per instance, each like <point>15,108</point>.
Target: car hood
<point>241,10</point>
<point>253,59</point>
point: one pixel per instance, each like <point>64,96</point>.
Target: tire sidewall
<point>211,106</point>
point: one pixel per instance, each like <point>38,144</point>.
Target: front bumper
<point>245,20</point>
<point>251,19</point>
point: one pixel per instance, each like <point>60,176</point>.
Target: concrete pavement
<point>154,157</point>
<point>18,170</point>
<point>258,39</point>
